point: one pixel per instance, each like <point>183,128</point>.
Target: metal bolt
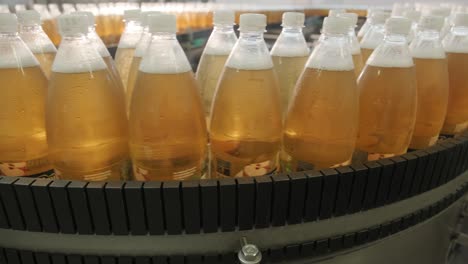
<point>249,253</point>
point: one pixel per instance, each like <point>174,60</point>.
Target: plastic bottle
<point>168,136</point>
<point>23,143</point>
<point>38,42</point>
<point>414,16</point>
<point>374,36</point>
<point>245,118</point>
<point>432,79</point>
<point>86,122</point>
<point>101,48</point>
<point>289,54</point>
<point>368,23</point>
<point>388,96</point>
<point>216,52</point>
<point>140,50</point>
<point>456,46</point>
<point>352,18</point>
<point>321,124</point>
<point>128,43</point>
<point>445,13</point>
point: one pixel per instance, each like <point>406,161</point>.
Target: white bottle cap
<point>335,25</point>
<point>8,23</point>
<point>431,22</point>
<point>28,17</point>
<point>223,17</point>
<point>88,15</point>
<point>252,22</point>
<point>73,24</point>
<point>293,19</point>
<point>441,11</point>
<point>352,18</point>
<point>461,20</point>
<point>144,16</point>
<point>379,17</point>
<point>132,15</point>
<point>398,25</point>
<point>335,12</point>
<point>162,23</point>
<point>412,15</point>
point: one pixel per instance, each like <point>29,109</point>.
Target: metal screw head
<point>250,254</point>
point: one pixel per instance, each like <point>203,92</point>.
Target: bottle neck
<point>30,28</point>
<point>292,30</point>
<point>74,37</point>
<point>163,36</point>
<point>223,28</point>
<point>251,35</point>
<point>459,30</point>
<point>333,37</point>
<point>396,38</point>
<point>428,34</point>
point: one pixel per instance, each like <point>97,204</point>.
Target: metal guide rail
<point>289,216</point>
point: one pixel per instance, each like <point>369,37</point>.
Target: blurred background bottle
<point>374,36</point>
<point>31,33</point>
<point>289,54</point>
<point>352,18</point>
<point>214,56</point>
<point>128,43</point>
<point>140,50</point>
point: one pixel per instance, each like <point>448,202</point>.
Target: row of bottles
<point>333,114</point>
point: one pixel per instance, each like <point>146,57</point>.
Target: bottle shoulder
<point>165,57</point>
<point>15,54</point>
<point>220,43</point>
<point>290,45</point>
<point>393,55</point>
<point>76,56</point>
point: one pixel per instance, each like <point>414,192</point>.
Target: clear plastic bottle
<point>352,18</point>
<point>320,128</point>
<point>38,42</point>
<point>140,50</point>
<point>246,124</point>
<point>432,79</point>
<point>445,13</point>
<point>388,96</point>
<point>168,136</point>
<point>414,16</point>
<point>101,48</point>
<point>289,54</point>
<point>367,24</point>
<point>216,52</point>
<point>23,143</point>
<point>85,113</point>
<point>374,36</point>
<point>128,43</point>
<point>456,47</point>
